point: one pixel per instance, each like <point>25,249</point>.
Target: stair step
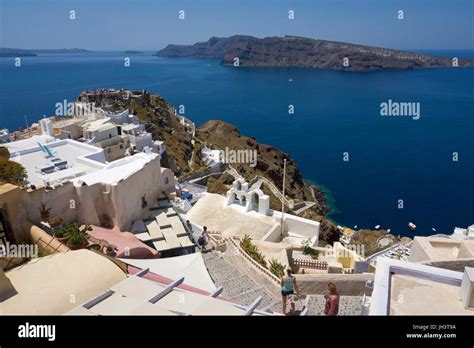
<point>238,287</point>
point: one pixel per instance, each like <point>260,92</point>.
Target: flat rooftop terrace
<point>80,159</point>
<point>231,220</point>
<point>415,296</point>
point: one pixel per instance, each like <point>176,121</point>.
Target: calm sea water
<point>390,158</point>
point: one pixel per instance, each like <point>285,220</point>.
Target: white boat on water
<point>377,227</point>
<point>411,226</point>
<point>434,229</point>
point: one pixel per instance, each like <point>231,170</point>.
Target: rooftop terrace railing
<point>312,264</point>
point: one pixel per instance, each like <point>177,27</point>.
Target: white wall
<point>303,227</point>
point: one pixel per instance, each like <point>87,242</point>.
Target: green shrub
<point>252,250</point>
<point>77,235</point>
<point>277,268</point>
<point>12,172</point>
<point>307,250</point>
<point>246,242</point>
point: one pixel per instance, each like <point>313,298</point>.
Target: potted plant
<point>55,221</point>
<point>109,250</point>
<point>62,234</point>
<point>94,246</point>
<point>77,240</point>
<point>44,212</point>
<point>78,236</point>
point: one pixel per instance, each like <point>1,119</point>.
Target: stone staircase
<point>238,287</point>
<point>297,208</point>
<point>232,171</point>
<point>259,180</point>
<point>241,289</point>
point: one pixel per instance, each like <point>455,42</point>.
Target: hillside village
<point>128,205</point>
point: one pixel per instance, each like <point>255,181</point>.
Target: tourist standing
<point>189,226</point>
<point>332,300</point>
<point>202,240</point>
<point>288,286</point>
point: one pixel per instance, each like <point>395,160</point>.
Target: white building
<point>99,130</point>
<point>75,181</point>
<point>138,137</point>
<point>463,233</point>
<point>4,136</point>
<point>246,211</point>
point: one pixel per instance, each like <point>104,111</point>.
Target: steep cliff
<point>295,51</point>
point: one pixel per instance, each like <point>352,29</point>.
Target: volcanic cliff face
<point>215,47</point>
<point>294,51</point>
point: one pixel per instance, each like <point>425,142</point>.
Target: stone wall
<point>62,200</point>
<point>347,284</point>
<point>457,265</point>
<point>11,201</point>
<point>246,265</point>
<point>126,195</point>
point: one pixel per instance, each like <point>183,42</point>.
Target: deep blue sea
<point>390,158</point>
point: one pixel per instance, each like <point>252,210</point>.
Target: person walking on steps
<point>288,287</point>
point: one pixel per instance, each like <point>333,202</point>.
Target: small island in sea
<point>302,52</point>
<point>18,52</point>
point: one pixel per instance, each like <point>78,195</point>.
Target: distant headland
<point>296,51</point>
<point>18,52</point>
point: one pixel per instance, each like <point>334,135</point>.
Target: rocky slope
<point>294,51</point>
<point>221,135</point>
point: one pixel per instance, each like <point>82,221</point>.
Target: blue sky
<point>152,24</point>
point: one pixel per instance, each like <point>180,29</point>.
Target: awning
<point>190,266</point>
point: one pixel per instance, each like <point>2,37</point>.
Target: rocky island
<point>18,52</point>
<point>301,52</point>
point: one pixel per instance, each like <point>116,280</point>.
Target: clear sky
<point>152,24</point>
